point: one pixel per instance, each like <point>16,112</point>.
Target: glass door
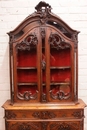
<point>27,69</point>
<point>60,68</point>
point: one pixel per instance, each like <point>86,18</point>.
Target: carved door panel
<point>61,67</point>
<point>44,125</point>
<point>17,125</point>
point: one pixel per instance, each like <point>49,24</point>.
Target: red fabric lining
<point>27,58</point>
<point>60,75</point>
<point>60,57</point>
<point>27,76</point>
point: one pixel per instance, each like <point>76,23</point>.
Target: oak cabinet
<point>44,117</point>
<point>44,75</point>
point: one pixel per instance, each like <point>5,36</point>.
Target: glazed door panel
<point>59,58</point>
<point>27,66</point>
<point>60,68</point>
<point>43,67</point>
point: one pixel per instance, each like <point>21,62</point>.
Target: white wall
<point>12,12</point>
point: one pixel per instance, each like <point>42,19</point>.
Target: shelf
<point>20,84</point>
<point>55,47</point>
<point>44,84</point>
<point>62,67</point>
<point>62,83</point>
<point>26,68</point>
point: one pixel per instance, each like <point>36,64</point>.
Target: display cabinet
<point>44,74</point>
<point>43,59</point>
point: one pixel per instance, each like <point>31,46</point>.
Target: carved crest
<point>42,4</point>
<point>44,10</point>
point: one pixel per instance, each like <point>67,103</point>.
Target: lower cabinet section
<point>44,117</point>
<point>44,125</point>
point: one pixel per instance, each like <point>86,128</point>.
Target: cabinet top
<point>8,106</point>
<point>43,16</point>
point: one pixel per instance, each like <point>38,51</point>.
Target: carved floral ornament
<point>44,115</point>
<point>27,42</point>
<point>57,42</point>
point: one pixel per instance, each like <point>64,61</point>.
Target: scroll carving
<point>44,115</point>
<point>26,44</point>
<point>43,97</point>
<point>27,95</point>
<point>57,42</point>
<point>43,64</point>
<point>75,38</point>
<point>42,31</point>
<point>11,40</point>
<point>59,95</point>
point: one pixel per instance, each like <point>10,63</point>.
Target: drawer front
<point>44,125</point>
<point>43,114</point>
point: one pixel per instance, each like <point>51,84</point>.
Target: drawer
<point>43,114</point>
<point>44,125</point>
